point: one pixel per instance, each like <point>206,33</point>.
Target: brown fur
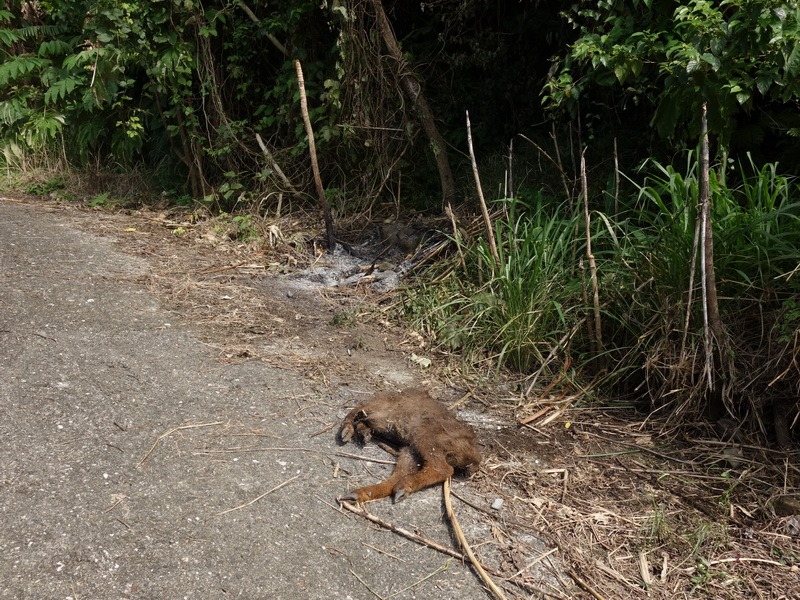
<point>432,443</point>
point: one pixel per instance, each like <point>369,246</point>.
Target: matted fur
<point>432,444</point>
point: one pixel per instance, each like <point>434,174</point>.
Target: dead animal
<point>431,444</point>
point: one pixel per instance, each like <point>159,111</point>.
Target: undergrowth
<point>531,308</point>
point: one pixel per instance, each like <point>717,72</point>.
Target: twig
<point>485,211</point>
<point>448,505</point>
<point>170,432</point>
<point>273,40</point>
<point>556,161</point>
<point>438,570</point>
<point>355,509</point>
<point>366,585</point>
<point>535,561</point>
<point>456,235</point>
<point>585,586</point>
<point>275,167</point>
<point>616,179</point>
<point>254,500</point>
<point>553,352</point>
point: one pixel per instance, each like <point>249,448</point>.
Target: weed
<point>245,229</point>
<point>101,200</point>
<point>344,318</point>
<point>46,187</point>
<point>512,309</point>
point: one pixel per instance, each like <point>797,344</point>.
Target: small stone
<point>497,504</point>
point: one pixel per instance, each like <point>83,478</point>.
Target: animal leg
<point>434,470</point>
<point>406,465</point>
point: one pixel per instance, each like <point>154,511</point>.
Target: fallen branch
<point>448,505</point>
<point>598,331</point>
<point>358,510</point>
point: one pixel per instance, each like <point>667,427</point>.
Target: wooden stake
<point>327,215</point>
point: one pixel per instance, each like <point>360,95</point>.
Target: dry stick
<point>256,499</point>
<point>690,296</point>
<point>448,505</point>
<point>366,585</point>
<point>510,179</point>
<point>716,329</point>
<point>170,432</point>
<point>485,211</point>
<point>553,351</point>
<point>275,167</point>
<point>312,150</point>
<point>416,95</point>
<point>456,235</point>
<point>355,509</point>
<point>616,179</point>
<point>585,586</point>
<point>592,265</point>
<point>440,569</point>
<point>704,199</point>
<point>556,161</point>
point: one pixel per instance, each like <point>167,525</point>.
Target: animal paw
<point>351,497</point>
<point>346,433</point>
<point>400,494</point>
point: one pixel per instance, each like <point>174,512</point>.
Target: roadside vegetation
<point>635,241</point>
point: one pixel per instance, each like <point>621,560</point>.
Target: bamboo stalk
<point>598,333</point>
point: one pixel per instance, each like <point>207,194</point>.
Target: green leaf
<point>712,60</point>
<point>60,89</point>
<point>793,61</point>
<point>763,84</point>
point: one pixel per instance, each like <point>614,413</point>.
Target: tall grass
<point>509,311</point>
<point>514,310</point>
<point>757,245</point>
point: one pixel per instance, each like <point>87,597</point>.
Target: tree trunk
<point>413,90</point>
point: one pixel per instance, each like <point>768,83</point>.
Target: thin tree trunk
<point>714,332</point>
<point>312,149</point>
<point>413,90</point>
